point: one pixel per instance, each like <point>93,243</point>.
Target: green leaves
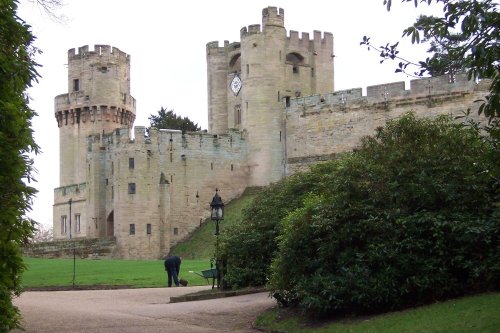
<point>465,38</point>
<point>409,218</point>
<point>17,72</point>
<point>168,119</point>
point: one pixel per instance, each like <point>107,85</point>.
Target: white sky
<point>166,41</point>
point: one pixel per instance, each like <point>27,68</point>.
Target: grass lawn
<point>478,314</point>
<point>202,243</point>
<point>133,273</point>
<point>196,253</point>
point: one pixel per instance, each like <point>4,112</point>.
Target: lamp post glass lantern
<point>217,214</point>
<point>217,210</point>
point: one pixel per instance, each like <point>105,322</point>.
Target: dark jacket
<point>173,262</point>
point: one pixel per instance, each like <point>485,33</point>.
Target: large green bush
<point>250,245</point>
<point>411,217</point>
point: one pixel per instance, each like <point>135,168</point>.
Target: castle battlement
<point>320,40</point>
<point>434,87</point>
<point>250,30</point>
<point>199,143</point>
<point>213,47</point>
<point>99,51</point>
<point>272,16</point>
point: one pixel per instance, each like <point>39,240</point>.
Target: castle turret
<point>98,100</point>
<point>251,82</point>
<point>263,66</point>
<point>217,72</point>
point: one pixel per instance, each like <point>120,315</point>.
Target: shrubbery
<point>250,245</point>
<point>411,217</point>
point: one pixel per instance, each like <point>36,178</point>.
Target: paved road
<point>137,310</point>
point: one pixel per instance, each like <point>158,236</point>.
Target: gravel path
<point>137,310</point>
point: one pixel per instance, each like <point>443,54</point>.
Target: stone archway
<point>110,224</point>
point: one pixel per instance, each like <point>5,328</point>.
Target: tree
<point>168,119</point>
<point>466,36</point>
<point>17,73</point>
<point>42,234</point>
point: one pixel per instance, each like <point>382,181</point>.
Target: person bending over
<point>173,267</point>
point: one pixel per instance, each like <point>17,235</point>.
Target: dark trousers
<point>172,273</point>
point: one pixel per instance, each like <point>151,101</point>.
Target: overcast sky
<point>166,41</point>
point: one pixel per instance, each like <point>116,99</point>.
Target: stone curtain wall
<point>84,248</point>
<point>320,127</point>
<point>174,177</point>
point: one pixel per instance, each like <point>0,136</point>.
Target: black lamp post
<point>217,214</point>
<point>73,243</point>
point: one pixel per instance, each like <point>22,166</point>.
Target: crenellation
<point>83,50</point>
<point>317,39</point>
<point>254,29</point>
<point>272,16</point>
<point>139,134</point>
<point>294,39</point>
<point>305,41</point>
<point>387,92</point>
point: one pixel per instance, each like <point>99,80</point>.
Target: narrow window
<point>63,224</point>
<point>112,192</point>
<point>246,104</point>
<point>112,168</point>
<point>248,69</point>
<point>76,85</point>
<point>106,181</point>
<point>237,115</point>
<point>176,231</point>
<point>132,229</point>
<point>77,223</point>
<point>131,188</point>
<point>232,167</point>
<point>131,163</point>
<point>312,72</point>
<point>280,136</point>
<point>295,70</point>
<point>148,228</point>
<point>278,96</point>
<point>280,56</point>
<point>211,166</point>
<point>287,101</point>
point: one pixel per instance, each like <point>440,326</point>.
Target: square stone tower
<point>252,81</point>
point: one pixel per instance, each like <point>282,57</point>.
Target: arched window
<point>235,63</point>
<point>295,60</point>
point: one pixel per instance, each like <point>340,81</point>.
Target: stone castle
<point>272,111</point>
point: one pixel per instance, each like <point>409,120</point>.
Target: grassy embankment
<point>196,253</point>
<point>478,314</point>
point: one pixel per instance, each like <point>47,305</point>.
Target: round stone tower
<point>98,101</point>
<point>262,71</point>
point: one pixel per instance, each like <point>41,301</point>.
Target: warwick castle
<point>272,110</point>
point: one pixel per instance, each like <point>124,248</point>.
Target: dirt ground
<point>138,310</point>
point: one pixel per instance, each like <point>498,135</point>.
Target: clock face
<point>236,85</point>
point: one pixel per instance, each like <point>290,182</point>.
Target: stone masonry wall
<point>174,177</point>
<point>320,127</point>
